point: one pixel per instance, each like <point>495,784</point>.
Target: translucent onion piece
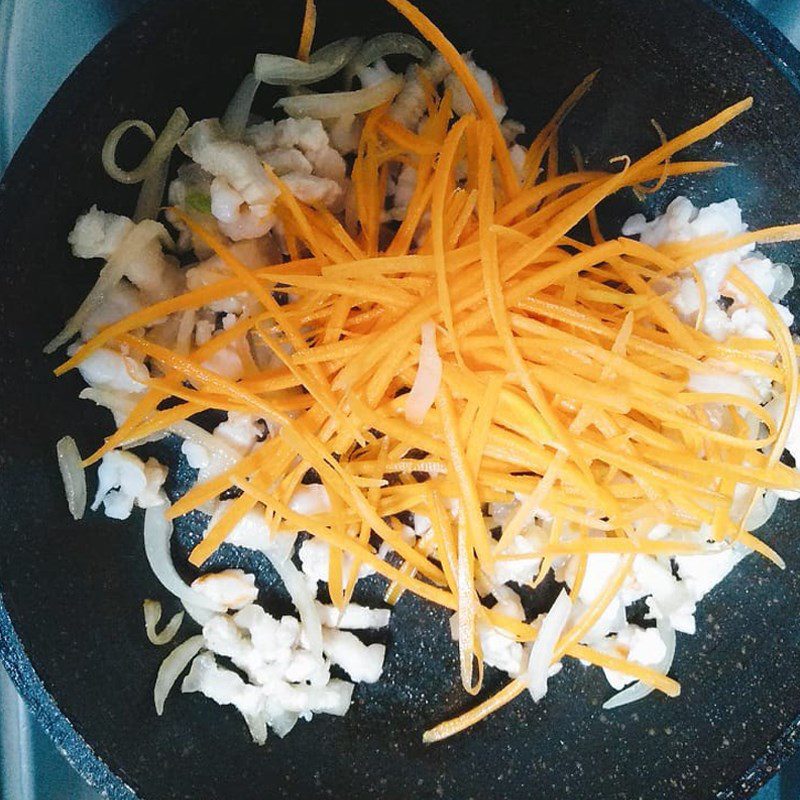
<point>110,275</point>
<point>162,146</point>
<point>157,534</point>
<point>763,508</point>
<point>339,104</point>
<point>386,44</point>
<point>152,616</point>
<point>784,281</point>
<point>285,71</point>
<point>304,600</point>
<point>234,120</point>
<point>172,667</point>
<point>109,153</point>
<point>148,205</point>
<point>192,432</point>
<point>545,644</point>
<point>428,378</point>
<point>73,475</point>
<point>640,690</point>
<point>197,613</point>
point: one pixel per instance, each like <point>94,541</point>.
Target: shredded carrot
<point>307,31</point>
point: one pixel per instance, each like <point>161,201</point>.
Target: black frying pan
<point>70,618</point>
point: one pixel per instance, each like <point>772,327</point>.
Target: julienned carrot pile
<point>477,352</point>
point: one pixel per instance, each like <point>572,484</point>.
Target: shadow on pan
<point>70,618</point>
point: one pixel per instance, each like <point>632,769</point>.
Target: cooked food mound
<point>394,340</point>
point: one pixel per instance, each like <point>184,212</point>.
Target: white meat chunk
<point>462,103</point>
<point>97,234</point>
<point>125,480</point>
<point>230,588</point>
<point>119,302</point>
<point>241,175</point>
<point>109,369</point>
<point>362,662</point>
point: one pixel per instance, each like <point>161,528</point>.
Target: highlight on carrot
<point>424,347</point>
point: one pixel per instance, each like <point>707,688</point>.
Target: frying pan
<point>70,618</point>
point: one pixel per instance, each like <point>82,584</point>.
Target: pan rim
<point>765,37</point>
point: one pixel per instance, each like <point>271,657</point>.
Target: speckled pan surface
<point>70,619</point>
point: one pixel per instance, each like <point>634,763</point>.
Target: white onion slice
<point>157,534</point>
<point>545,644</point>
<point>339,104</point>
<point>172,667</point>
<point>640,690</point>
<point>162,146</point>
<point>428,378</point>
<point>152,616</point>
<point>285,71</point>
<point>73,475</point>
<point>385,44</point>
<point>111,143</point>
<point>763,508</point>
<point>234,120</point>
<point>151,194</point>
<point>192,432</point>
<point>197,613</point>
<point>304,600</point>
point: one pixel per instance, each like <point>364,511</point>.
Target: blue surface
<point>41,41</point>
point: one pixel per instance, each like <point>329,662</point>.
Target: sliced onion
<point>545,644</point>
<point>640,690</point>
<point>428,378</point>
<point>109,153</point>
<point>198,614</point>
<point>120,404</point>
<point>192,432</point>
<point>234,120</point>
<point>386,44</point>
<point>73,475</point>
<point>152,616</point>
<point>148,205</point>
<point>285,71</point>
<point>157,534</point>
<point>304,600</point>
<point>110,275</point>
<point>162,146</point>
<point>763,508</point>
<point>339,104</point>
<point>172,667</point>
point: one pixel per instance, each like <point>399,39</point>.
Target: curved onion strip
<point>285,71</point>
<point>73,475</point>
<point>197,613</point>
<point>111,143</point>
<point>172,667</point>
<point>640,690</point>
<point>386,44</point>
<point>339,104</point>
<point>544,646</point>
<point>157,534</point>
<point>152,616</point>
<point>303,599</point>
<point>428,378</point>
<point>162,146</point>
<point>234,120</point>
